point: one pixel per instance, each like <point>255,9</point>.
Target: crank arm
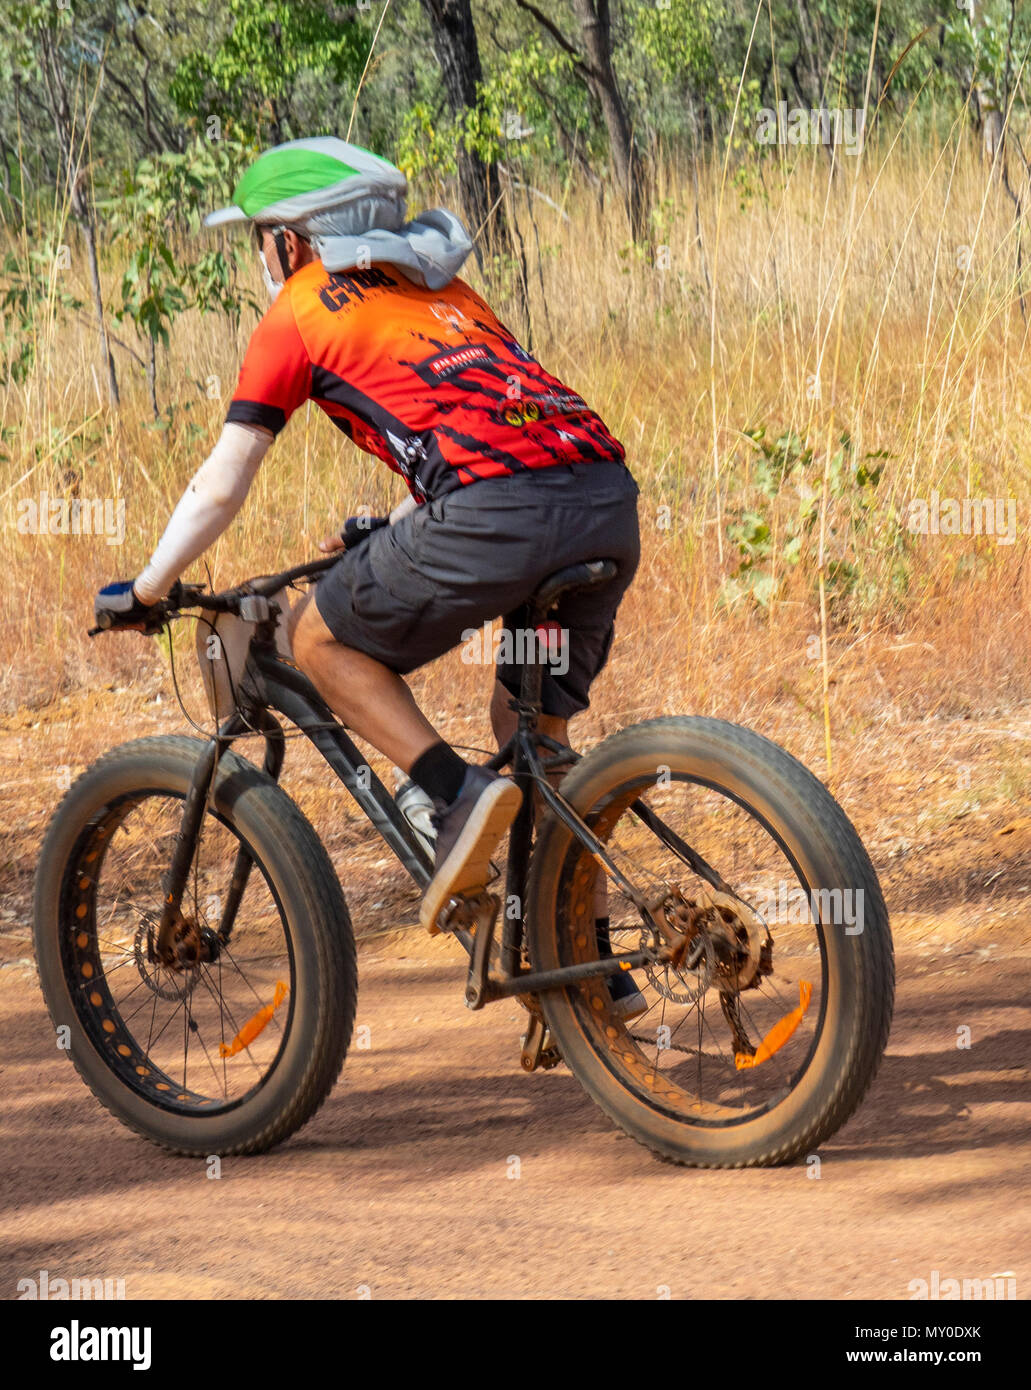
<point>533,1043</point>
<point>484,909</point>
<point>539,981</point>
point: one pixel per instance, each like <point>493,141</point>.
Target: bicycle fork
<point>166,947</point>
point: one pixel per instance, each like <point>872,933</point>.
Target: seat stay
<point>569,818</point>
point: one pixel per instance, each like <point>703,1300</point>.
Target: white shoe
<point>468,832</point>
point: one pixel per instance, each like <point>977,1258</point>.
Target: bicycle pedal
<point>456,913</point>
<point>550,1055</point>
<point>466,912</point>
<point>538,1047</point>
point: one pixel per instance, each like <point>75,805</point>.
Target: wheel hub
<point>174,979</point>
<point>717,940</point>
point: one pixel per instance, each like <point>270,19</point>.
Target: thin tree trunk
<point>479,180</point>
<point>64,128</point>
<point>7,158</point>
<point>594,67</point>
<point>152,376</point>
<point>815,80</point>
<point>596,26</point>
<point>454,41</point>
<point>90,235</point>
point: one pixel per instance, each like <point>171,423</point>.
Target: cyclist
<point>511,477</point>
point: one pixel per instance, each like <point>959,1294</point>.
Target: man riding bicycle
<point>511,477</point>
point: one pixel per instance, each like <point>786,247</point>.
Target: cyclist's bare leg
<point>503,720</point>
<point>371,699</point>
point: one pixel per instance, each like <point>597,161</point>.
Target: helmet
<point>289,183</point>
<point>349,204</point>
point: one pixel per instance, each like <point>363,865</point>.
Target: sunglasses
<point>258,230</point>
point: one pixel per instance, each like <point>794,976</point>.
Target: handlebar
<point>182,596</point>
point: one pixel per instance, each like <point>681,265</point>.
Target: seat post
<point>527,707</point>
<point>585,575</point>
<point>531,677</point>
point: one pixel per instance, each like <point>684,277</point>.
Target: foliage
<point>29,292</point>
<point>280,69</point>
<point>253,74</point>
<point>782,534</point>
<point>155,216</point>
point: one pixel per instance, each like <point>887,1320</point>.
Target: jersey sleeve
<point>276,374</point>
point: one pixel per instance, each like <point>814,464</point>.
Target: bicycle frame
<point>273,683</point>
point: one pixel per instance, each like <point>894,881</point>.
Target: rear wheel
<point>235,1045</point>
<point>760,1041</point>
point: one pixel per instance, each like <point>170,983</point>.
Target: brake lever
<point>177,595</point>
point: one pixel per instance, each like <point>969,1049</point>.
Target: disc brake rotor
<point>160,979</point>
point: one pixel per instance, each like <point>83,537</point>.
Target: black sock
<point>440,772</point>
<point>601,926</point>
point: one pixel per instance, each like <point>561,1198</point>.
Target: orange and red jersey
<point>428,380</point>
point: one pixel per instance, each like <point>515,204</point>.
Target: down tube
<point>288,690</point>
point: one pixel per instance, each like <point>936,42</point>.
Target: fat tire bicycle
<point>193,938</point>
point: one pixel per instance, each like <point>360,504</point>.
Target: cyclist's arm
<point>214,496</point>
<point>275,379</point>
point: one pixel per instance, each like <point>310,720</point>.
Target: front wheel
<point>235,1045</point>
<point>759,1041</point>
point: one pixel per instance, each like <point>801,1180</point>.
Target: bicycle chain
<point>670,1047</point>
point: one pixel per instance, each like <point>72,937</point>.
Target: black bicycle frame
<point>272,683</point>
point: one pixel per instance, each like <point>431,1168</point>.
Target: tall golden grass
<point>879,297</point>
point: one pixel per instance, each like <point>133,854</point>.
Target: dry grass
<point>882,301</point>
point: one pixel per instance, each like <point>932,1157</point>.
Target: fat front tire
<point>78,972</point>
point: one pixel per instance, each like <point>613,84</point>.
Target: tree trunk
<point>64,129</point>
<point>594,67</point>
<point>596,27</point>
<point>454,40</point>
<point>152,376</point>
<point>815,76</point>
<point>90,234</point>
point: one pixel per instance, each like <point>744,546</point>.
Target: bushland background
<point>802,342</point>
<point>805,345</point>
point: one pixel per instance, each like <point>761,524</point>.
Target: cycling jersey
<point>427,380</point>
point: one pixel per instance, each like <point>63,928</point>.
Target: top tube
<point>228,600</point>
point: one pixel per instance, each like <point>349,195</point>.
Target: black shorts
<point>415,590</point>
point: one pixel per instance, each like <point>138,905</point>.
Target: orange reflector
<point>253,1026</point>
<point>779,1033</point>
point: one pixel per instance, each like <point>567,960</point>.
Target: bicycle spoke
<point>691,1052</point>
<point>158,1005</point>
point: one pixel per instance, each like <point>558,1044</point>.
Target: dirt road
<point>438,1170</point>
